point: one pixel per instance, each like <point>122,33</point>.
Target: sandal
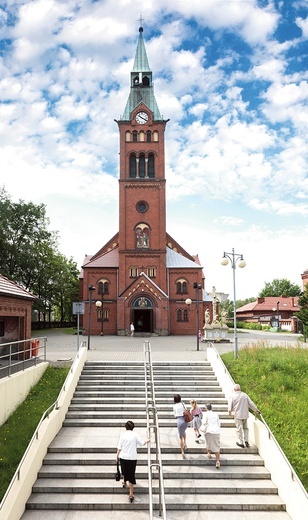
<point>131,498</point>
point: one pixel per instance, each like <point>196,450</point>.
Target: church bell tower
<point>142,198</point>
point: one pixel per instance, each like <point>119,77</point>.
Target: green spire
<point>141,63</point>
<point>141,86</point>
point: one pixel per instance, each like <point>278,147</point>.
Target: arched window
<point>103,314</point>
<point>145,81</point>
<point>141,165</point>
<point>185,315</point>
<point>132,166</point>
<point>151,171</point>
<point>149,136</point>
<point>179,315</point>
<point>103,287</point>
<point>135,136</point>
<point>155,135</point>
<point>142,236</point>
<point>127,136</point>
<point>141,136</point>
<point>181,286</point>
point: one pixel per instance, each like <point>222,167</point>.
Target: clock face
<point>142,118</point>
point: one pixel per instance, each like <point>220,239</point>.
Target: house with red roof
<point>15,311</point>
<point>278,312</point>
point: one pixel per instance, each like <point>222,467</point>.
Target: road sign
<point>78,307</point>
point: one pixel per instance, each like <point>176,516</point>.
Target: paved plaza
<point>62,347</point>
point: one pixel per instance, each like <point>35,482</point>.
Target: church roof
<point>109,259</point>
<point>175,259</point>
<point>10,288</point>
<point>141,93</point>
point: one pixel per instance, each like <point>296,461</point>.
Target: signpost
<point>78,308</point>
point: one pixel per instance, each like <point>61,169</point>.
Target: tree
<point>29,256</point>
<point>303,313</point>
<point>279,288</point>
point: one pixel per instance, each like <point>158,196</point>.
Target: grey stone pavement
<point>62,347</point>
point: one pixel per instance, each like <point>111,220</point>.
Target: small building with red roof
<point>15,311</point>
<point>275,311</point>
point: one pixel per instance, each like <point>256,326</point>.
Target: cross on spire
<point>140,20</point>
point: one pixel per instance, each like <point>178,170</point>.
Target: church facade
<point>142,276</point>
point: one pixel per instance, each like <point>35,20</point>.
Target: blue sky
<point>231,75</point>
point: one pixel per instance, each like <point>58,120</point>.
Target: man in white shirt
<point>238,406</point>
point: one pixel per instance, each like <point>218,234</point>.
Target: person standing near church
<point>238,406</point>
<point>132,329</point>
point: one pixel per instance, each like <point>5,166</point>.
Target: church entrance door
<point>143,320</point>
<point>143,315</point>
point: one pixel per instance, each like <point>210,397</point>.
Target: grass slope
<point>17,431</point>
<point>276,380</point>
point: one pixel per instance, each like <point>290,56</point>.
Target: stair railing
<point>35,436</point>
<point>151,413</point>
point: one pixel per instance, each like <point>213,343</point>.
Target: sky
<point>231,75</point>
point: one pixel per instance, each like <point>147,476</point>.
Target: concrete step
<point>62,514</point>
<point>200,502</point>
<point>184,471</point>
<point>60,485</point>
<point>79,421</point>
<point>163,411</point>
<point>168,459</point>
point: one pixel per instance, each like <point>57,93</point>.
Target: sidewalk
<point>62,347</point>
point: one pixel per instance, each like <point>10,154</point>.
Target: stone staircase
<point>76,481</point>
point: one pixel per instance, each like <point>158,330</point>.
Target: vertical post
<point>77,330</point>
<point>234,313</point>
<point>91,289</point>
<point>197,300</point>
<point>278,316</point>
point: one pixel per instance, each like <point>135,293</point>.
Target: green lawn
<point>18,430</point>
<point>276,380</point>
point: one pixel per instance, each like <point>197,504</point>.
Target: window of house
<point>179,315</point>
<point>181,287</point>
<point>151,272</point>
<point>1,327</point>
<point>151,171</point>
<point>127,136</point>
<point>185,315</point>
<point>135,136</point>
<point>142,165</point>
<point>103,287</point>
<point>132,166</point>
<point>155,135</point>
<point>133,272</point>
<point>148,136</point>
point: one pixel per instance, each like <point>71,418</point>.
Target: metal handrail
<point>151,407</point>
<point>53,406</point>
<point>26,353</point>
<point>294,475</point>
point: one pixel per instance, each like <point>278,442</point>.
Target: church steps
<point>80,478</point>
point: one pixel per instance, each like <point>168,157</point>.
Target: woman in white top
<point>127,448</point>
<point>211,428</point>
<point>178,410</point>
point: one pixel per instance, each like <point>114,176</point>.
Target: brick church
<point>142,275</point>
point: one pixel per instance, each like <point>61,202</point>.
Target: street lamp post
<point>100,307</point>
<point>234,258</point>
<point>277,309</point>
<point>189,302</point>
<point>91,289</point>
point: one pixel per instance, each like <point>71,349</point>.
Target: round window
<point>142,207</point>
